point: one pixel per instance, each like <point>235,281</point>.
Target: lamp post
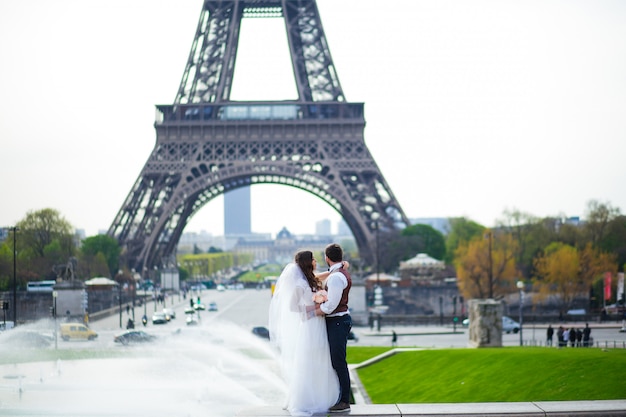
<point>54,314</point>
<point>14,229</point>
<point>119,292</point>
<point>490,237</point>
<point>520,287</point>
<point>377,255</point>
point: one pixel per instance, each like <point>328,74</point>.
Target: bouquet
<point>320,296</point>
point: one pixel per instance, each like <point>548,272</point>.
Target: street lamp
<point>14,229</point>
<point>54,313</point>
<point>520,287</point>
<point>119,292</point>
<point>490,237</point>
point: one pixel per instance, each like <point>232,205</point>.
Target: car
<point>192,320</point>
<point>169,313</point>
<point>199,306</point>
<point>134,336</point>
<point>77,331</point>
<point>26,339</point>
<point>159,318</point>
<point>508,324</point>
<point>262,332</point>
<point>212,306</point>
<point>190,310</point>
<point>221,287</point>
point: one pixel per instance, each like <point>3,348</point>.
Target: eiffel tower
<point>208,144</point>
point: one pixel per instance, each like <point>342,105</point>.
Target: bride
<point>301,339</point>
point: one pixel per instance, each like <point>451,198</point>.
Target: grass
<point>358,354</point>
<point>259,274</point>
<point>494,374</point>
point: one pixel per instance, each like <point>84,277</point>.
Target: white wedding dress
<point>302,342</point>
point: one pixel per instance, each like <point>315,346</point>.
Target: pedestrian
<point>579,338</point>
<point>565,337</point>
<point>586,335</point>
<point>559,334</point>
<point>572,337</point>
<point>394,338</point>
<point>550,332</point>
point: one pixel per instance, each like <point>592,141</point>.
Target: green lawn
<point>259,274</point>
<point>493,374</point>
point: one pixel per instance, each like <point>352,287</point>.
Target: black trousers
<point>338,329</point>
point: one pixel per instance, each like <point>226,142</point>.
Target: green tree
<point>91,266</point>
<point>105,245</point>
<point>598,217</point>
<point>40,228</point>
<point>422,238</point>
<point>44,239</point>
<point>6,266</point>
<point>614,239</point>
<point>462,230</point>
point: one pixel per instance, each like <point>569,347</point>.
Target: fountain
<point>211,370</point>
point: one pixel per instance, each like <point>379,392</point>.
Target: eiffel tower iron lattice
<point>207,144</point>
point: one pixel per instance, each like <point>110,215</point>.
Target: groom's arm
<point>335,286</point>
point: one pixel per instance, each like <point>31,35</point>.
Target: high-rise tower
<point>208,144</point>
<point>237,215</point>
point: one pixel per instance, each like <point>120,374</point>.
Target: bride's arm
<point>321,276</point>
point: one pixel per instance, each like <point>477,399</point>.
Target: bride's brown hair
<point>304,259</point>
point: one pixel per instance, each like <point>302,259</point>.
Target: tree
<point>40,228</point>
<point>568,273</point>
<point>614,240</point>
<point>105,245</point>
<point>91,266</point>
<point>45,239</point>
<point>6,266</point>
<point>598,217</point>
<point>422,238</point>
<point>486,267</point>
<point>462,230</point>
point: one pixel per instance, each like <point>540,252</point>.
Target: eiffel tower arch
<point>208,144</point>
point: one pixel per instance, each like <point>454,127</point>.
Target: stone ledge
<point>605,408</point>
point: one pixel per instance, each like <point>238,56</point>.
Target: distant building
<point>343,229</point>
<point>322,228</point>
<point>282,249</point>
<point>237,212</point>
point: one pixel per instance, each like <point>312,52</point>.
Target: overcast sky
<point>472,107</point>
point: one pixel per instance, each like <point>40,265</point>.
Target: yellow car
<point>77,331</point>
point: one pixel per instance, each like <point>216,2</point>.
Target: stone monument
<point>485,323</point>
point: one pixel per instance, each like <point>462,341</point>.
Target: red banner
<point>607,286</point>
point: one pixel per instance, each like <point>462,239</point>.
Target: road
<point>248,308</point>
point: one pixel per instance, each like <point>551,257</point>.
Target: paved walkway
<point>613,408</point>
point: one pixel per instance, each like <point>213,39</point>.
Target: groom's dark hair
<point>334,252</point>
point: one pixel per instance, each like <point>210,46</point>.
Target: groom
<point>338,321</point>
